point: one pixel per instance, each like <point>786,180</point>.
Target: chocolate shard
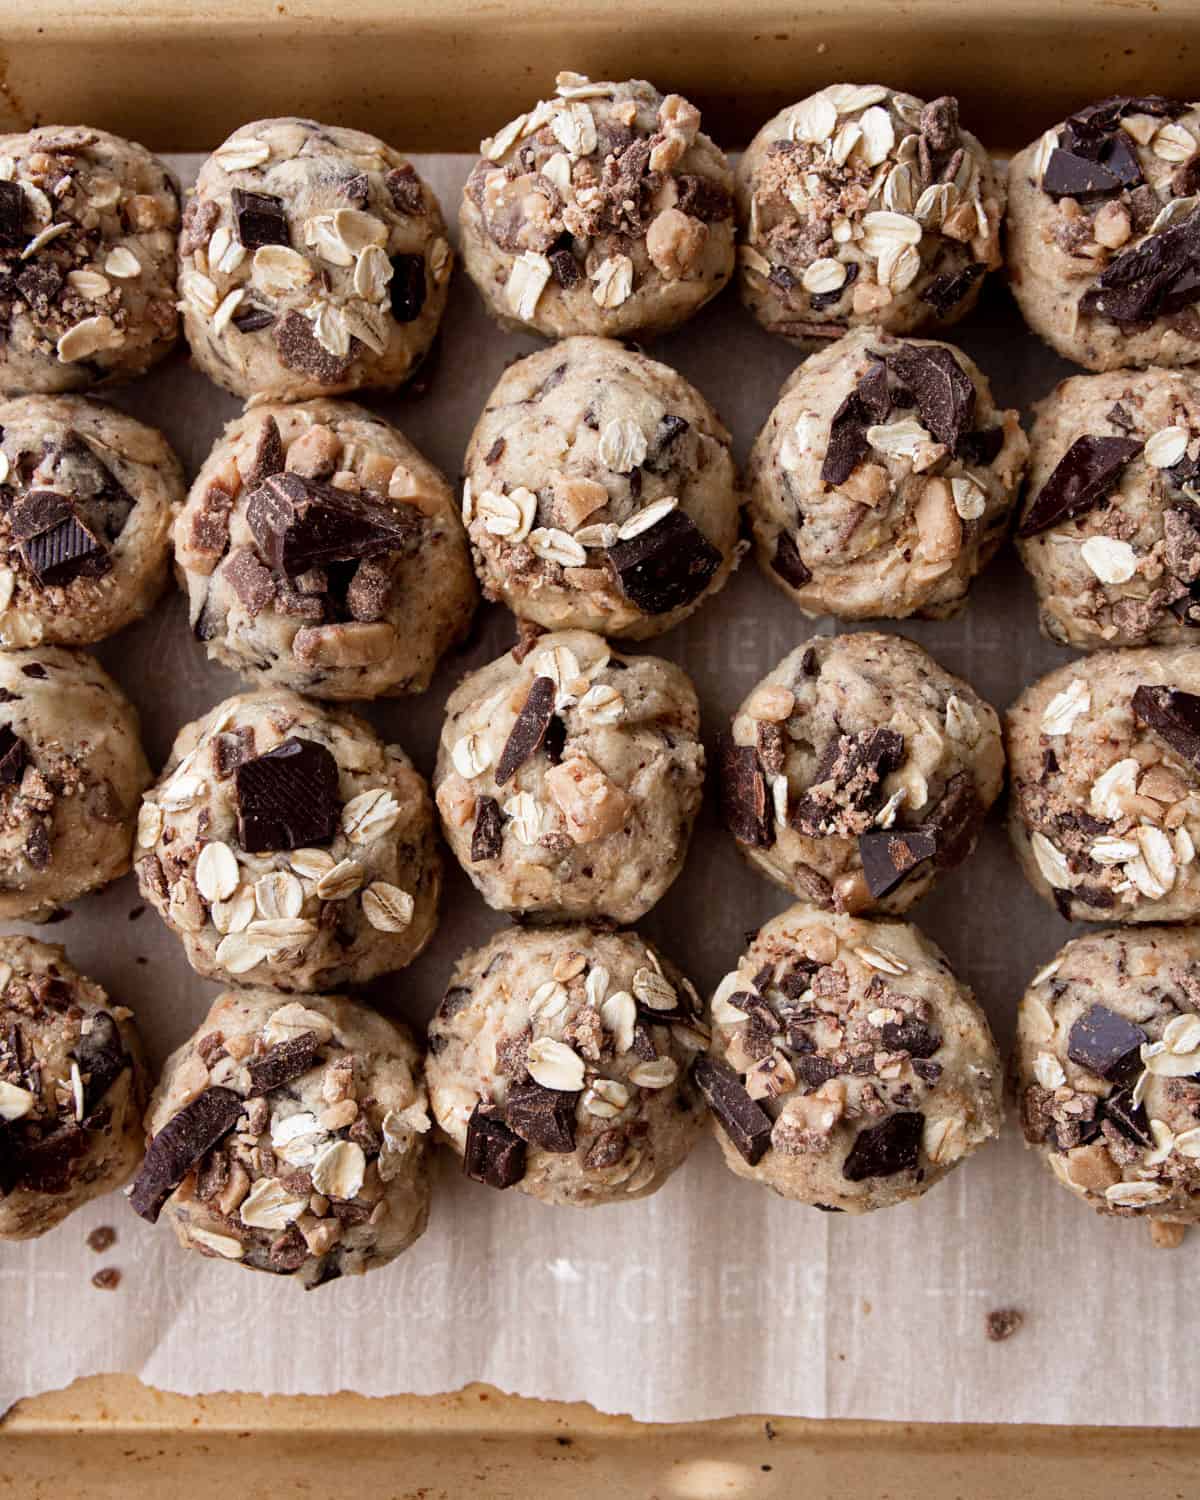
<point>883,1150</point>
<point>981,448</point>
<point>944,293</point>
<point>1174,716</point>
<point>14,756</point>
<point>1083,476</point>
<point>542,1117</point>
<point>299,349</point>
<point>1103,1042</point>
<point>944,392</point>
<point>47,1166</point>
<point>288,798</point>
<point>666,566</point>
<point>259,219</point>
<point>911,1036</point>
<point>487,837</point>
<point>848,444</point>
<point>813,1070</point>
<point>269,457</point>
<point>283,1062</point>
<point>744,802</point>
<point>874,393</point>
<point>12,213</point>
<point>890,855</point>
<point>300,523</point>
<point>745,1122</point>
<point>1157,275</point>
<point>954,821</point>
<point>495,1155</point>
<point>53,543</point>
<point>251,317</point>
<point>529,730</point>
<point>407,287</point>
<point>1129,1118</point>
<point>788,563</point>
<point>1071,176</point>
<point>179,1145</point>
<point>102,1059</point>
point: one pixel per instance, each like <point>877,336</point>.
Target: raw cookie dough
<point>87,259</point>
<point>1107,1070</point>
<point>600,492</point>
<point>290,1137</point>
<point>569,777</point>
<point>863,205</point>
<point>72,1090</point>
<point>603,210</point>
<point>86,502</point>
<point>1103,232</point>
<point>312,260</point>
<point>321,552</point>
<point>284,843</point>
<point>858,770</point>
<point>1104,810</point>
<point>559,1062</point>
<point>849,1068</point>
<point>1111,529</point>
<point>72,773</point>
<point>879,487</point>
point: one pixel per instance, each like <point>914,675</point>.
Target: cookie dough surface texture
<point>559,1061</point>
<point>849,1068</point>
<point>322,552</point>
<point>86,504</point>
<point>858,771</point>
<point>285,844</point>
<point>1111,532</point>
<point>1102,233</point>
<point>291,1138</point>
<point>863,205</point>
<point>569,777</point>
<point>883,480</point>
<point>88,223</point>
<point>603,210</point>
<point>1107,1069</point>
<point>72,773</point>
<point>313,260</point>
<point>1104,811</point>
<point>72,1090</point>
<point>600,492</point>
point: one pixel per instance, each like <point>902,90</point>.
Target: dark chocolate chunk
<point>495,1155</point>
<point>407,287</point>
<point>982,447</point>
<point>848,444</point>
<point>47,1166</point>
<point>179,1145</point>
<point>487,837</point>
<point>910,1036</point>
<point>943,391</point>
<point>668,432</point>
<point>883,1150</point>
<point>253,583</point>
<point>955,821</point>
<point>102,1059</point>
<point>1129,1118</point>
<point>251,317</point>
<point>1174,716</point>
<point>812,1070</point>
<point>269,457</point>
<point>565,268</point>
<point>666,566</point>
<point>53,543</point>
<point>14,756</point>
<point>746,1123</point>
<point>1118,157</point>
<point>12,213</point>
<point>300,523</point>
<point>788,563</point>
<point>1156,276</point>
<point>888,856</point>
<point>288,798</point>
<point>543,1117</point>
<point>1083,476</point>
<point>526,736</point>
<point>259,219</point>
<point>408,196</point>
<point>283,1062</point>
<point>1070,176</point>
<point>945,292</point>
<point>299,349</point>
<point>1104,1042</point>
<point>744,802</point>
<point>874,392</point>
<point>703,198</point>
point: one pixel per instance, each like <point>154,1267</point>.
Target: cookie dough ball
<point>604,210</point>
<point>285,844</point>
<point>1110,533</point>
<point>1104,811</point>
<point>86,502</point>
<point>569,777</point>
<point>290,1138</point>
<point>1107,1068</point>
<point>559,1062</point>
<point>1102,224</point>
<point>72,773</point>
<point>849,1068</point>
<point>72,1090</point>
<point>863,205</point>
<point>883,480</point>
<point>600,492</point>
<point>858,770</point>
<point>87,259</point>
<point>312,260</point>
<point>321,552</point>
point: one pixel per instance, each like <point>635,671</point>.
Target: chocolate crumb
<point>1002,1323</point>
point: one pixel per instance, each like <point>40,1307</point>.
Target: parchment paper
<point>713,1297</point>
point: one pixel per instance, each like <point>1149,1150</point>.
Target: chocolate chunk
<point>1083,477</point>
<point>300,523</point>
<point>1118,157</point>
<point>788,563</point>
<point>102,1059</point>
<point>746,1123</point>
<point>495,1155</point>
<point>14,756</point>
<point>890,855</point>
<point>39,285</point>
<point>269,457</point>
<point>53,543</point>
<point>1174,716</point>
<point>658,452</point>
<point>251,317</point>
<point>179,1145</point>
<point>894,1145</point>
<point>288,798</point>
<point>981,448</point>
<point>12,213</point>
<point>812,1070</point>
<point>874,392</point>
<point>944,392</point>
<point>407,287</point>
<point>955,821</point>
<point>1156,276</point>
<point>848,444</point>
<point>944,293</point>
<point>543,1117</point>
<point>1070,176</point>
<point>1104,1042</point>
<point>407,194</point>
<point>910,1036</point>
<point>526,736</point>
<point>47,1166</point>
<point>1129,1118</point>
<point>855,766</point>
<point>703,198</point>
<point>565,268</point>
<point>487,837</point>
<point>299,349</point>
<point>283,1062</point>
<point>250,580</point>
<point>666,566</point>
<point>744,802</point>
<point>259,219</point>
